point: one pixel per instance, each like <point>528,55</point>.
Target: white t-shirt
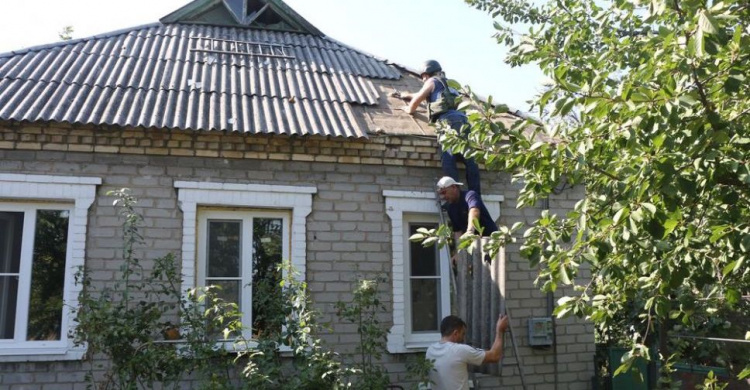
<point>450,364</point>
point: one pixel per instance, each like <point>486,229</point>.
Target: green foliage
<point>129,324</point>
<point>363,311</point>
<point>126,322</point>
<point>287,355</point>
<point>746,371</point>
<point>66,33</point>
<point>646,109</point>
<point>712,383</point>
<point>442,236</point>
<point>419,369</point>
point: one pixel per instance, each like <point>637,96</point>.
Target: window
<point>234,235</point>
<point>42,243</point>
<point>239,250</point>
<point>33,244</point>
<point>421,276</point>
<point>427,290</point>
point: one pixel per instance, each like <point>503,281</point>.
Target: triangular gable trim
<point>290,20</point>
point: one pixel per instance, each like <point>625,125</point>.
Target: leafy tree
<point>66,33</point>
<point>661,143</point>
<point>363,311</point>
<point>288,353</point>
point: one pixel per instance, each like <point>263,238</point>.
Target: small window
<point>425,284</point>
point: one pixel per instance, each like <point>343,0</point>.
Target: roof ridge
<point>368,54</point>
<point>109,34</point>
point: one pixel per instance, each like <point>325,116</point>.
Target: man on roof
<point>464,208</point>
<point>442,106</point>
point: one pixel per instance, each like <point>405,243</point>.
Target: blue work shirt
<point>459,213</point>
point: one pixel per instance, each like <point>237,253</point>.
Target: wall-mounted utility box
<point>540,331</point>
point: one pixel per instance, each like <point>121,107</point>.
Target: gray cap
<point>430,67</point>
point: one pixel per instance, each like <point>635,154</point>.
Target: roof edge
<point>193,6</point>
<point>285,8</point>
<point>78,40</point>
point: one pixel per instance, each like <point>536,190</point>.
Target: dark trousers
<point>449,160</point>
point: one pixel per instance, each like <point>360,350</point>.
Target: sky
<point>407,32</point>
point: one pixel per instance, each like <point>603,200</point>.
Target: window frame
<point>295,200</point>
<point>400,206</point>
<point>422,337</point>
<point>242,214</point>
<point>47,192</point>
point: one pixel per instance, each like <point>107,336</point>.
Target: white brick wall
<point>347,232</point>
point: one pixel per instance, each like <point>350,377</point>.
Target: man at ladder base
<point>451,357</point>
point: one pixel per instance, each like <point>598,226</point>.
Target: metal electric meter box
<point>540,331</point>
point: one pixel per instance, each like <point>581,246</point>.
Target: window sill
<point>40,354</point>
<point>229,346</point>
<point>412,344</point>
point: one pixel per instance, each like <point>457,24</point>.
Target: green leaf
<point>731,267</point>
<point>537,145</point>
<point>732,85</point>
<point>717,232</point>
<point>623,212</point>
<point>564,275</point>
<point>662,307</point>
<point>733,296</point>
<point>567,107</point>
<point>669,226</point>
<point>659,140</point>
<point>706,22</point>
<point>695,46</point>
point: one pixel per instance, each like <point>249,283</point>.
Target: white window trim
<point>423,338</point>
<point>78,193</point>
<point>192,194</point>
<point>397,204</point>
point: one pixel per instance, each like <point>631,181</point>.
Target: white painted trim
<point>47,179</point>
<point>201,185</point>
<point>77,194</point>
<point>191,195</point>
<point>398,203</point>
<point>492,201</point>
<point>423,338</point>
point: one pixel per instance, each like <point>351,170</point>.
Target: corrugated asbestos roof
<point>160,76</point>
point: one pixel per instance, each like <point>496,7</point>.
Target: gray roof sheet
<point>162,76</point>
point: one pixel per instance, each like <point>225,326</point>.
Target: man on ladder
<point>465,209</point>
<point>451,356</point>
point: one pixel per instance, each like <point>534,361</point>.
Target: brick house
<point>227,114</point>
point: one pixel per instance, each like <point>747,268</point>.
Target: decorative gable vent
<point>272,15</point>
<point>244,48</point>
